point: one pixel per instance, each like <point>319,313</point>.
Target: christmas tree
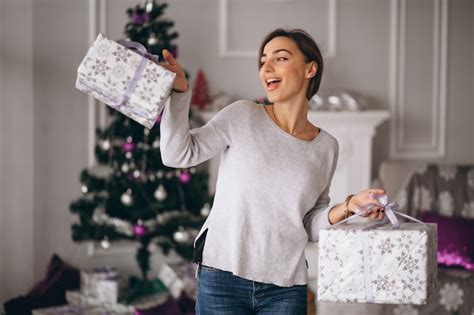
<point>130,194</point>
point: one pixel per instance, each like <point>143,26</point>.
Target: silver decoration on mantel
<point>337,100</point>
<point>221,100</point>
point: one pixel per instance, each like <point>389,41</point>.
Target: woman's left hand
<point>366,197</point>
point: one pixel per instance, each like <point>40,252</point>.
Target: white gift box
<point>125,80</point>
<point>72,310</point>
<point>179,277</point>
<point>104,284</point>
<point>76,298</point>
<point>377,265</point>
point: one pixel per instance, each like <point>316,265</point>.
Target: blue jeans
<point>222,293</point>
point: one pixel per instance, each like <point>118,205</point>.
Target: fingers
<point>377,214</point>
<point>376,191</point>
<point>169,57</point>
<point>381,215</point>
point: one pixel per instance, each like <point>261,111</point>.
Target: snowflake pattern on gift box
<point>386,246</point>
<point>119,72</point>
<point>122,55</point>
<point>399,273</point>
<point>151,77</point>
<point>383,283</point>
<point>411,264</point>
<point>446,203</point>
<point>412,284</point>
<point>102,48</point>
<point>100,67</point>
<point>451,296</point>
<point>145,93</point>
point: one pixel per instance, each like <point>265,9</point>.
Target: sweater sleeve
<point>317,217</point>
<point>181,147</point>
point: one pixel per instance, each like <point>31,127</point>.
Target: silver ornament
<point>84,189</point>
<point>152,40</point>
<point>192,170</point>
<point>205,210</point>
<point>105,144</point>
<point>136,174</point>
<point>127,197</point>
<point>129,139</point>
<point>181,236</point>
<point>124,168</point>
<point>105,244</point>
<point>159,174</point>
<point>149,6</point>
<point>177,173</point>
<point>128,155</point>
<point>156,143</point>
<point>337,100</point>
<point>160,193</point>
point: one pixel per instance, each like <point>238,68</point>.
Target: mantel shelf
<point>368,118</point>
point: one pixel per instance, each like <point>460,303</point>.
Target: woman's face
<point>282,60</point>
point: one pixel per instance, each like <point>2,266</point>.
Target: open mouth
<point>272,84</point>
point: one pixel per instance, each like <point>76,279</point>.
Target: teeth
<point>272,80</point>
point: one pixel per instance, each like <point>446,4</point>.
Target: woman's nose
<point>267,66</point>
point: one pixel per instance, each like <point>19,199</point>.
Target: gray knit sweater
<point>271,192</point>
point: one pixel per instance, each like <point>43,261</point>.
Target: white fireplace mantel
<point>354,132</point>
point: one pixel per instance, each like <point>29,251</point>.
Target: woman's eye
<point>278,59</point>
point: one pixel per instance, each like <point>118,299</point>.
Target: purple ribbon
<point>141,50</point>
<point>390,212</point>
<point>390,216</point>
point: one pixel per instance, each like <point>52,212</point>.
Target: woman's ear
<point>313,69</point>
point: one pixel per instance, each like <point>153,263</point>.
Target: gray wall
<point>17,164</point>
<point>43,118</point>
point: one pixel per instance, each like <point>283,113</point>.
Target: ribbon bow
<point>139,48</point>
<point>390,212</point>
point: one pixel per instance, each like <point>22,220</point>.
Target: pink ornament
<point>128,146</point>
<point>139,230</point>
<point>140,18</point>
<point>185,177</point>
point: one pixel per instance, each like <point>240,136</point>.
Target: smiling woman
<point>302,48</point>
<point>272,191</point>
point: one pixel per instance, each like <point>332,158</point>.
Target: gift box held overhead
<point>126,77</point>
<point>368,262</point>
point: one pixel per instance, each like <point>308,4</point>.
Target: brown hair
<point>308,48</point>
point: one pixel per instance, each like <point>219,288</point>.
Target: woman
<point>272,193</point>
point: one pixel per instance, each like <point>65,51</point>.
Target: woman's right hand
<point>180,83</point>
